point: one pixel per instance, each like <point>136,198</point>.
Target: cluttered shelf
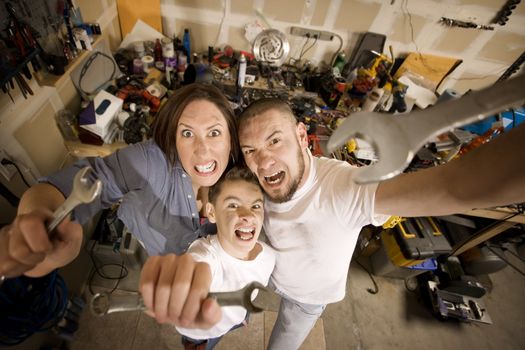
<point>52,80</point>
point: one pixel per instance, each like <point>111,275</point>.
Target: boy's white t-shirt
<point>315,233</point>
<point>228,274</point>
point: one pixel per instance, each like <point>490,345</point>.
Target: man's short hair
<point>264,105</point>
<point>234,174</point>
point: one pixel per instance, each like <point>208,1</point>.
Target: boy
<point>234,256</point>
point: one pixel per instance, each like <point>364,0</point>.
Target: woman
<point>161,185</point>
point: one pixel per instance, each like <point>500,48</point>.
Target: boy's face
<point>238,212</point>
<point>273,148</point>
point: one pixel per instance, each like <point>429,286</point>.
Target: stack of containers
<point>410,248</point>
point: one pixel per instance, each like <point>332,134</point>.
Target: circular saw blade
<point>271,46</point>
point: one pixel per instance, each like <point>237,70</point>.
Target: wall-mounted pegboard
<point>45,17</point>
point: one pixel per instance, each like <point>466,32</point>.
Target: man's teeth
<point>274,178</point>
<point>208,168</point>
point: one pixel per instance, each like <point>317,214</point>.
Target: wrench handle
<point>425,124</point>
<point>60,213</point>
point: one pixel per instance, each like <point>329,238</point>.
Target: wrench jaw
<point>393,156</point>
<point>89,189</point>
<point>99,304</point>
<point>241,297</point>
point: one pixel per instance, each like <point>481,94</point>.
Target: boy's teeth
<point>245,234</point>
<point>208,168</point>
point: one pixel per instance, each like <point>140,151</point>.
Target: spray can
<point>339,64</point>
<point>186,42</point>
<point>241,76</point>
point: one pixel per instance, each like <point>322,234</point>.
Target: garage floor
<point>392,319</point>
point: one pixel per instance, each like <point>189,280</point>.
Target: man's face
<point>274,149</point>
<point>238,212</point>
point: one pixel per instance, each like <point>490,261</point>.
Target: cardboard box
<point>98,116</point>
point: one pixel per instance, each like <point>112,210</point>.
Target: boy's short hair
<point>236,173</point>
<point>264,105</point>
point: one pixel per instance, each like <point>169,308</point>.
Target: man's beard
<point>295,183</point>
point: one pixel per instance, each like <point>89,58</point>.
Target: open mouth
<point>245,233</point>
<point>275,178</point>
<point>206,168</point>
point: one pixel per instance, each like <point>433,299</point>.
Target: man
<point>315,211</point>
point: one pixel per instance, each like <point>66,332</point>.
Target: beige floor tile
<point>249,337</point>
<point>111,332</point>
<point>154,336</point>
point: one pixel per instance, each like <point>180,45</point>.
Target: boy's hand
<point>175,289</point>
<point>27,248</point>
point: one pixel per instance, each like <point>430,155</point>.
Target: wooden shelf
<point>497,214</point>
<point>52,80</point>
<point>83,150</point>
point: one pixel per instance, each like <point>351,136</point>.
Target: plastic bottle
<point>241,76</point>
<point>67,124</point>
<point>158,51</point>
<point>186,42</point>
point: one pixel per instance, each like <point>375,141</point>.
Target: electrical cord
<point>6,161</point>
<point>374,290</point>
<point>31,305</point>
<point>334,57</point>
<point>98,269</point>
<point>309,47</point>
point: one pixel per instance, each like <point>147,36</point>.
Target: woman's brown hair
<point>165,125</point>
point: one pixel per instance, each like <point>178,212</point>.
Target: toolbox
<point>387,261</point>
<point>421,238</point>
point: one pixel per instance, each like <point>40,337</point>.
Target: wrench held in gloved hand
<point>397,138</point>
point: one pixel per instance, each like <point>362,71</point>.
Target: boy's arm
<point>489,176</point>
<point>175,290</point>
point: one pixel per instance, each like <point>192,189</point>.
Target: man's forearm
<point>491,175</point>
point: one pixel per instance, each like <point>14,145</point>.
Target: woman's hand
<point>175,289</point>
<point>27,248</point>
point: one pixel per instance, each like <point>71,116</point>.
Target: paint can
<point>147,61</point>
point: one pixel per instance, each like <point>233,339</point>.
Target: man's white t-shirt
<point>228,274</point>
<point>315,233</point>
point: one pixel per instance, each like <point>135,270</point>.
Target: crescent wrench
<point>84,191</point>
<point>104,303</point>
<point>397,138</point>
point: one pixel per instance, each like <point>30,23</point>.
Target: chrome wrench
<point>397,138</point>
<point>104,303</point>
<point>84,191</point>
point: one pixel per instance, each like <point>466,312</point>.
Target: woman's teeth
<point>207,168</point>
<point>274,178</point>
<point>245,234</point>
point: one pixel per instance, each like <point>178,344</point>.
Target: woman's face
<point>203,143</point>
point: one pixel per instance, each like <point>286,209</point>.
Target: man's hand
<point>175,289</point>
<point>27,248</point>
